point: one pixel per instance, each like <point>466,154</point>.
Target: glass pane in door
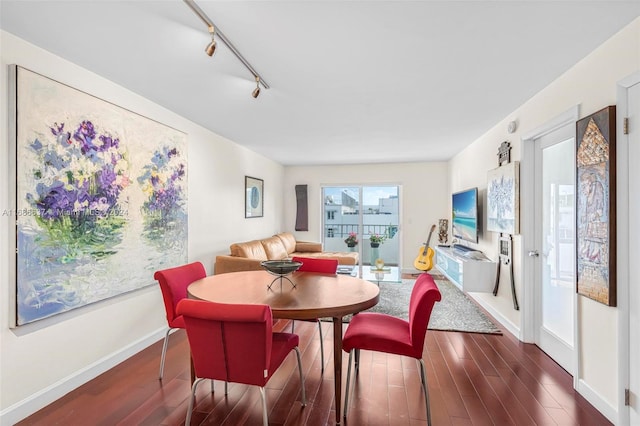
<point>380,222</point>
<point>341,217</point>
<point>558,247</point>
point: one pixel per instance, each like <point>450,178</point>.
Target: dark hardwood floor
<point>474,379</point>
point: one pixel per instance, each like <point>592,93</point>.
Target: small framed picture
<point>253,197</point>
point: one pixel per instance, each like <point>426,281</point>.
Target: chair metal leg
<point>357,360</point>
<point>226,387</point>
<point>346,391</point>
<point>187,422</point>
<point>164,352</point>
<point>292,325</point>
<point>423,378</point>
<point>265,418</point>
<point>304,393</point>
<point>321,346</point>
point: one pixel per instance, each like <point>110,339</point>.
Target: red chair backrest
<point>424,296</point>
<point>312,264</point>
<point>173,284</point>
<point>229,342</point>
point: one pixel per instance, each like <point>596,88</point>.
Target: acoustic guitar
<point>424,261</point>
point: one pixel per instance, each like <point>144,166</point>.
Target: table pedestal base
<point>337,366</point>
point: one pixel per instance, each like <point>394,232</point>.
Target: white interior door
<point>555,245</point>
<point>633,112</point>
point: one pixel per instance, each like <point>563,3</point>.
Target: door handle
<point>534,253</point>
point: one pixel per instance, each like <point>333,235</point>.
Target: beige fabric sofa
<point>248,255</point>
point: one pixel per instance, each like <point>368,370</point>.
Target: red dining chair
<point>173,284</point>
<point>320,266</point>
<point>235,343</point>
<point>385,333</point>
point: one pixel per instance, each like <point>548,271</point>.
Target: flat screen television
<point>464,221</point>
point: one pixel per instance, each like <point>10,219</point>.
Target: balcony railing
<point>335,234</point>
<point>343,230</point>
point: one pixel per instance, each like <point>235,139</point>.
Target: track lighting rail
<point>209,23</point>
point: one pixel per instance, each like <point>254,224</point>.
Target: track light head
<point>256,91</point>
<point>211,47</point>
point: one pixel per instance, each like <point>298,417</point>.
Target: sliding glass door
<point>366,212</point>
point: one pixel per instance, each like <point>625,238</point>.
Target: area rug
<point>455,312</point>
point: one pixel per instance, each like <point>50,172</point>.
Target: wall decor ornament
<point>302,208</point>
<point>595,206</point>
<point>253,199</point>
<point>503,210</point>
<point>100,197</point>
<point>443,229</point>
<point>503,199</point>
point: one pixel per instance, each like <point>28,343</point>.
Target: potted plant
<point>352,239</point>
<point>376,240</point>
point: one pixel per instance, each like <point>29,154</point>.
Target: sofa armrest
<point>225,263</point>
<point>306,246</point>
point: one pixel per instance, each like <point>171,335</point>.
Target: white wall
<point>424,197</point>
<point>41,362</point>
<point>591,84</point>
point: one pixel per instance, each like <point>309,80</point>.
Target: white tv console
<point>467,273</point>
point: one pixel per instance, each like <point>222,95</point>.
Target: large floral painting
<point>101,198</point>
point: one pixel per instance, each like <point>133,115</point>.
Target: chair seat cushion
<point>178,322</point>
<point>283,343</point>
<point>379,332</point>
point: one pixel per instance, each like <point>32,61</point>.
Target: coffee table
<point>388,274</point>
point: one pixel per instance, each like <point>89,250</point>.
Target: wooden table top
<point>314,296</point>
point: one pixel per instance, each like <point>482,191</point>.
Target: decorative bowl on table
<point>280,268</point>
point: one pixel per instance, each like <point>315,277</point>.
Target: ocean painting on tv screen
<point>101,198</point>
<point>465,215</point>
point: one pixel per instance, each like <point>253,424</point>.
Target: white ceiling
<point>351,81</point>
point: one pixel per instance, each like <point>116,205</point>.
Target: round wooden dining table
<point>313,296</point>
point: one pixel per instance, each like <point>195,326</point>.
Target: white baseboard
<point>504,321</point>
<point>22,409</point>
<point>594,398</point>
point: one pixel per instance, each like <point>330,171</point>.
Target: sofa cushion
<point>308,247</point>
<point>250,249</point>
<point>343,258</point>
<point>288,240</point>
<point>274,248</point>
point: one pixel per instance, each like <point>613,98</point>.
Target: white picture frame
<point>503,199</point>
<point>253,197</point>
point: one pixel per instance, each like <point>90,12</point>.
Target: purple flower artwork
<point>100,199</point>
<point>164,209</point>
<point>77,187</point>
